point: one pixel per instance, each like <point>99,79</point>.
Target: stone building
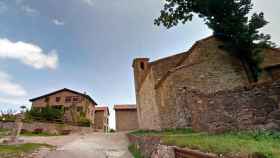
<point>207,89</point>
<point>73,103</point>
<point>101,119</point>
<point>126,117</point>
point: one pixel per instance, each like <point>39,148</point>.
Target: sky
<point>89,46</point>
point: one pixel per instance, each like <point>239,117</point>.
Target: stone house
<point>126,117</point>
<point>207,89</point>
<point>73,103</point>
<point>101,119</point>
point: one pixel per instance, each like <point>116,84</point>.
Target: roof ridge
<point>60,90</point>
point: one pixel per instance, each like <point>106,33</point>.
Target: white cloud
<point>29,11</point>
<point>28,54</point>
<point>58,22</point>
<point>89,2</point>
<point>10,88</point>
<point>3,7</point>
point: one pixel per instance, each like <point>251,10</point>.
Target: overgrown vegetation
<point>229,21</point>
<point>261,142</point>
<point>4,132</point>
<point>48,114</point>
<point>163,132</point>
<point>16,151</point>
<point>84,122</point>
<point>134,151</point>
<point>36,133</point>
<point>7,117</point>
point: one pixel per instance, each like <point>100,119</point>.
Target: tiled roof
<point>125,107</point>
<point>61,90</point>
<point>102,108</point>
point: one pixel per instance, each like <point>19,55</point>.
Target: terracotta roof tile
<point>102,108</point>
<point>61,90</point>
<point>125,107</point>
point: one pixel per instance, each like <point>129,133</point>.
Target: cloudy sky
<point>89,45</point>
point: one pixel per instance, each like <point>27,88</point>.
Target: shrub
<point>45,114</point>
<point>84,122</point>
<point>38,131</point>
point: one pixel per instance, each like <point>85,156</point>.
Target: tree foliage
<point>229,20</point>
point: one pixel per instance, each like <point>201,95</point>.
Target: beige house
<point>72,102</point>
<point>101,119</point>
<point>207,89</point>
<point>126,117</point>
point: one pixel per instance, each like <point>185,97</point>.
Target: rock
<point>163,152</point>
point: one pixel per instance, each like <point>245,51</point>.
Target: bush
<point>38,131</point>
<point>112,130</point>
<point>45,114</point>
<point>8,118</point>
<point>84,122</point>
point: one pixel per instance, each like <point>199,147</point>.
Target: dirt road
<point>96,145</point>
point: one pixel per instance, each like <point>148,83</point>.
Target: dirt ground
<point>96,145</point>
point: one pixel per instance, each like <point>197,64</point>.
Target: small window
<point>68,99</point>
<point>79,109</point>
<point>76,99</point>
<point>66,108</point>
<point>142,65</point>
<point>47,99</point>
<point>57,99</point>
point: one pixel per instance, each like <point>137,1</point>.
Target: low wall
<point>47,127</point>
<point>151,147</point>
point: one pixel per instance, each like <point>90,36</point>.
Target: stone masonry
<point>196,89</point>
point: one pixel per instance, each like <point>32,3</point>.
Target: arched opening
<point>142,65</point>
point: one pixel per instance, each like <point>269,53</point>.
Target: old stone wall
<point>47,127</point>
<point>148,115</point>
<point>126,120</point>
<point>246,108</point>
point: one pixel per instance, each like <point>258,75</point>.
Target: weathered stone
<point>163,151</point>
<point>206,89</point>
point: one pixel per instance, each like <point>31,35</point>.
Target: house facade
<point>207,89</point>
<point>126,117</point>
<point>73,103</point>
<point>101,120</point>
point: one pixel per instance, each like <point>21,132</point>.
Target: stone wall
<point>253,107</point>
<point>196,89</point>
<point>47,127</point>
<point>148,114</point>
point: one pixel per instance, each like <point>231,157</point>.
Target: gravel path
<point>96,145</point>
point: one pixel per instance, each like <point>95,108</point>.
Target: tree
<point>229,21</point>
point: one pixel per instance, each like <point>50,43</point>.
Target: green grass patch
<point>178,131</point>
<point>14,151</point>
<point>3,132</point>
<point>34,134</point>
<point>134,151</point>
<point>264,143</point>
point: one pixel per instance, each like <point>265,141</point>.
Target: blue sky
<point>89,46</point>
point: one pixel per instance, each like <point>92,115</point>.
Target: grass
<point>14,151</point>
<point>134,151</point>
<point>3,132</point>
<point>264,143</point>
<point>178,131</point>
<point>41,134</point>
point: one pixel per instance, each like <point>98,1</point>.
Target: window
<point>68,99</point>
<point>142,65</point>
<point>47,99</point>
<point>79,109</point>
<point>76,99</point>
<point>57,99</point>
